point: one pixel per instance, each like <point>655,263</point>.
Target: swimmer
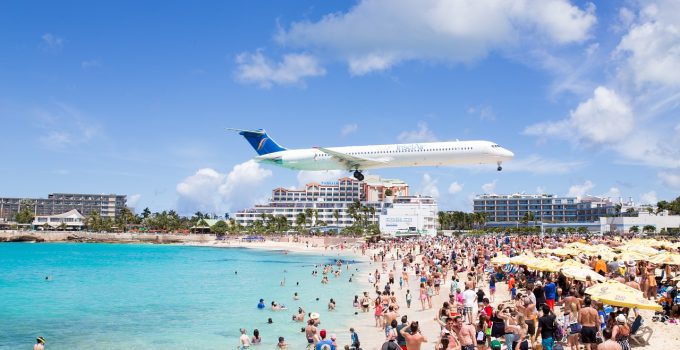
<point>270,321</point>
<point>295,296</point>
<point>260,305</point>
<point>39,344</point>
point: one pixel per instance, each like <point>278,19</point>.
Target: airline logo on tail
<point>259,146</point>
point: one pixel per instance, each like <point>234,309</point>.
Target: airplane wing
<point>353,162</point>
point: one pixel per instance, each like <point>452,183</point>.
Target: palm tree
<point>549,231</point>
<point>649,228</point>
<point>634,229</point>
<point>336,216</point>
<point>582,230</point>
<point>617,209</point>
<point>309,213</point>
<point>372,211</point>
<point>300,220</point>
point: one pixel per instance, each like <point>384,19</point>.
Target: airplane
<point>359,158</point>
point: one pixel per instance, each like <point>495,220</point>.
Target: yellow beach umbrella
<point>500,260</point>
<point>543,264</point>
<point>666,258</point>
<point>565,252</point>
<point>582,274</point>
<point>609,285</point>
<point>623,297</point>
<point>634,256</point>
<point>522,259</point>
<point>639,249</point>
<point>571,263</point>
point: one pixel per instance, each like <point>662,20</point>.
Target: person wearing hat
<point>324,344</point>
<point>39,344</point>
<point>621,331</point>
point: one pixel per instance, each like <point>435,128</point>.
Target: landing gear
<point>499,167</point>
<point>358,175</point>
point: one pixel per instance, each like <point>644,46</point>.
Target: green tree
<point>25,214</point>
<point>300,220</point>
<point>634,229</point>
<point>617,210</point>
<point>649,228</point>
<point>146,213</point>
<point>561,230</point>
<point>336,216</point>
<point>219,228</point>
<point>548,231</point>
<point>388,192</point>
<point>309,214</point>
<point>46,226</point>
<point>631,212</point>
<point>582,230</point>
<point>62,226</point>
<point>94,221</point>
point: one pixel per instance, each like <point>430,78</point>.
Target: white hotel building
<point>409,216</point>
<point>326,198</point>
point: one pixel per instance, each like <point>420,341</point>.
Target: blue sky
<point>134,98</point>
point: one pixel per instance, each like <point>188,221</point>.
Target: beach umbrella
<point>634,256</point>
<point>543,264</point>
<point>665,258</point>
<point>609,285</point>
<point>565,252</point>
<point>522,259</point>
<point>639,249</point>
<point>500,260</point>
<point>571,263</point>
<point>582,274</point>
<point>620,296</point>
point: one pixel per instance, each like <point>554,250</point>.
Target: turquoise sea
<point>129,296</point>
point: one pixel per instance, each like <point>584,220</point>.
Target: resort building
<point>71,220</point>
<point>409,216</point>
<point>331,201</point>
<point>508,210</point>
<point>597,214</point>
<point>108,205</point>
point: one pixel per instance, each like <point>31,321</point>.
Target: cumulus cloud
<point>422,134</point>
<point>490,187</point>
<point>649,198</point>
<point>132,200</point>
<point>670,178</point>
<point>349,129</point>
<point>304,177</point>
<point>428,186</point>
<point>652,46</point>
<point>614,193</point>
<point>211,191</point>
<point>255,68</point>
<point>375,35</point>
<point>455,187</point>
<point>602,119</point>
<point>580,190</point>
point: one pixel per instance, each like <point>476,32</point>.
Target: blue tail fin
<point>260,141</point>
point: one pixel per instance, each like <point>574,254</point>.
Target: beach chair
<point>640,334</point>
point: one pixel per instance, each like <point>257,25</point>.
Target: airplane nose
<point>508,153</point>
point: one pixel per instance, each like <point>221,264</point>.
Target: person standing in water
<point>39,344</point>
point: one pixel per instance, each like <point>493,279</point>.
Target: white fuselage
<point>394,155</point>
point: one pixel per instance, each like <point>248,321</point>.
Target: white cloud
<point>455,187</point>
<point>580,190</point>
<point>490,187</point>
<point>540,190</point>
<point>604,118</point>
<point>652,45</point>
<point>132,200</point>
<point>52,42</point>
<point>484,112</point>
<point>422,134</point>
<point>428,186</point>
<point>64,126</point>
<point>670,178</point>
<point>649,198</point>
<point>614,193</point>
<point>375,35</point>
<point>210,191</point>
<point>255,68</point>
<point>538,165</point>
<point>349,129</point>
<point>304,177</point>
<point>90,64</point>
